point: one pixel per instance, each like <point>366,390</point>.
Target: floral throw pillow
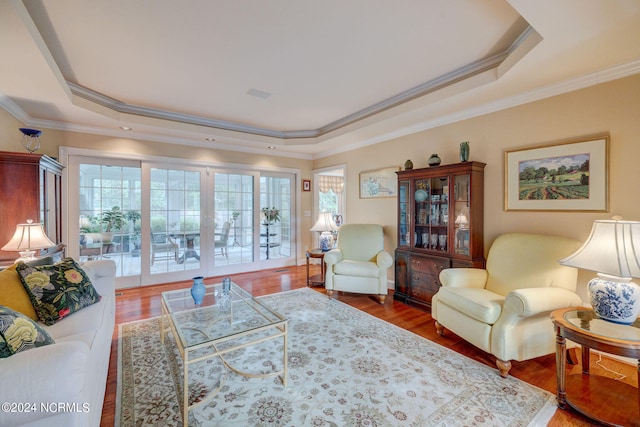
<point>19,333</point>
<point>57,290</point>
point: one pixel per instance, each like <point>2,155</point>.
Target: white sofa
<point>63,384</point>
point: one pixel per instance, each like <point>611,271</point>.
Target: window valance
<point>329,182</point>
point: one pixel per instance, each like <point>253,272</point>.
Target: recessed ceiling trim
<point>418,91</point>
<point>121,107</point>
<point>95,130</point>
<point>426,88</point>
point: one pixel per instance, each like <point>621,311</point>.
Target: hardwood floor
<point>142,303</point>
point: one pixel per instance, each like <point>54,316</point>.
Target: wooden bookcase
<point>440,225</point>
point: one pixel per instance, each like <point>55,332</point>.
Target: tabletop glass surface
<point>219,316</point>
<point>588,321</point>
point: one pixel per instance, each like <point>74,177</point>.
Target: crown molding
<point>566,86</point>
<point>12,108</point>
<point>143,136</point>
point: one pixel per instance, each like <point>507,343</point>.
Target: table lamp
<point>613,251</point>
<point>26,239</point>
<point>462,221</point>
<point>325,225</point>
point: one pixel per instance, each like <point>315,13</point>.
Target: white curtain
<point>328,182</point>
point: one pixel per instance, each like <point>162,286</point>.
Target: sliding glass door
<point>109,214</point>
<point>163,223</point>
<point>233,218</point>
<point>175,218</point>
<point>275,216</point>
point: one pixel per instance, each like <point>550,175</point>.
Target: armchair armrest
<point>464,277</point>
<point>531,301</point>
<point>332,257</point>
<point>384,260</point>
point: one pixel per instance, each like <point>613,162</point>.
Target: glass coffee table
<point>223,323</point>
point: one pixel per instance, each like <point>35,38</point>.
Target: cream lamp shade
<point>325,225</point>
<point>461,221</point>
<point>27,238</point>
<point>613,251</point>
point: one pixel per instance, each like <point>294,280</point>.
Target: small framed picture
<point>306,185</point>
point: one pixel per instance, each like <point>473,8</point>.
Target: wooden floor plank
<point>143,303</point>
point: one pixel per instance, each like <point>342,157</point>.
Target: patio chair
<point>163,247</point>
<point>222,239</point>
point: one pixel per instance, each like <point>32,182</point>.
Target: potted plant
<point>270,215</point>
<point>113,220</point>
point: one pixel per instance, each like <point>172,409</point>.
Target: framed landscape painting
<point>569,176</point>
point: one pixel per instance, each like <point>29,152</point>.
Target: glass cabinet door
<point>403,214</point>
<point>431,199</point>
<point>462,214</point>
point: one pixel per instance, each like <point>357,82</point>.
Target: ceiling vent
<point>258,93</point>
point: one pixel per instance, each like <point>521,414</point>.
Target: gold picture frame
<point>379,183</point>
<point>566,176</point>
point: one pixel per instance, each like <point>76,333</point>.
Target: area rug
<point>346,368</point>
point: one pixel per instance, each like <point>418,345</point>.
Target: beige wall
<point>612,108</point>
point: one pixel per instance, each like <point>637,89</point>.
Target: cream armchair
<point>504,310</point>
<point>360,263</point>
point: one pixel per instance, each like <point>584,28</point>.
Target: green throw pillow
<point>57,290</point>
<point>19,333</point>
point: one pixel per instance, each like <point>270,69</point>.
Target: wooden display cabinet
<point>440,225</point>
<point>30,188</point>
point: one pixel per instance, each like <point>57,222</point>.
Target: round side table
<point>317,280</point>
<point>595,395</point>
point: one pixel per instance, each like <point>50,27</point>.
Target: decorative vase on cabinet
<point>464,151</point>
<point>440,225</point>
<point>434,160</point>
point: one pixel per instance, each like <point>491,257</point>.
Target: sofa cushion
<point>19,333</point>
<point>357,268</point>
<point>13,294</point>
<point>57,290</point>
<point>480,304</point>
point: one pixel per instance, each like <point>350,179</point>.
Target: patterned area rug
<point>346,368</point>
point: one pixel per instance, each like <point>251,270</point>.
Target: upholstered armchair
<point>359,264</point>
<point>504,309</point>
